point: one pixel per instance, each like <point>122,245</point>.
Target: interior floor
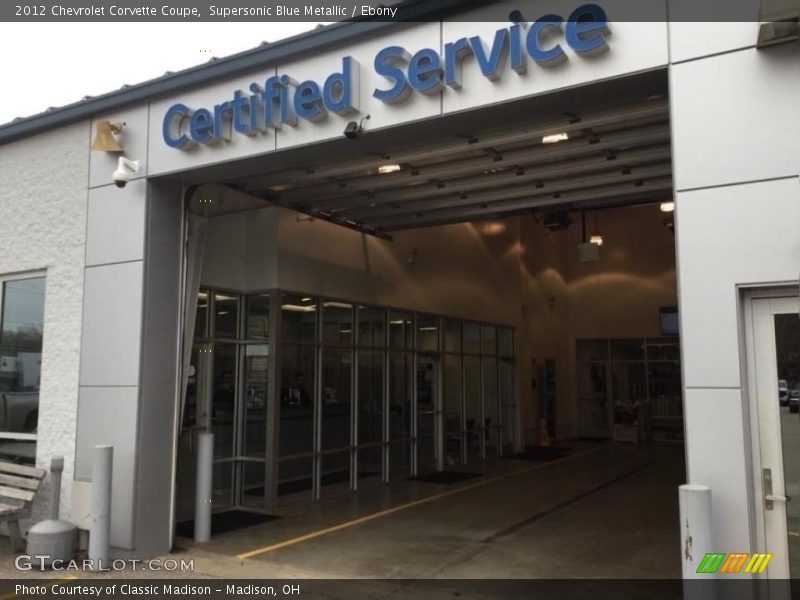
<point>605,510</point>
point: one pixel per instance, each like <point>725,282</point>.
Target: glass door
<point>227,395</point>
<point>595,407</point>
<point>195,419</point>
<point>773,347</point>
<point>429,415</point>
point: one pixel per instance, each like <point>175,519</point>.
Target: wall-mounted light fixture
<point>667,207</point>
<point>104,140</point>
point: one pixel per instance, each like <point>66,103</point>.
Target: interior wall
<point>513,272</point>
<point>241,251</point>
<point>617,296</point>
<point>466,270</point>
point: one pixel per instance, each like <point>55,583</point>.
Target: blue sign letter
<point>341,89</point>
<point>425,71</point>
<point>586,30</point>
<point>491,65</point>
<point>201,127</point>
<point>385,64</point>
<point>171,127</point>
<point>546,58</point>
<point>308,102</point>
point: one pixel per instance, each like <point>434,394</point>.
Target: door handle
<point>769,497</point>
<point>772,498</point>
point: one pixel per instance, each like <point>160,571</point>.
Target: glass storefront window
<point>472,406</point>
<point>258,307</point>
<point>370,397</point>
<point>370,465</point>
<point>452,407</point>
<point>223,399</point>
<point>663,349</point>
<point>488,339</point>
<point>491,407</point>
<point>452,335</point>
<point>427,333</point>
<point>253,486</point>
<point>21,330</point>
<point>296,477</point>
<point>226,314</point>
<point>592,350</point>
<point>401,331</point>
<point>627,350</point>
<point>337,386</point>
<point>472,338</point>
<point>337,323</point>
<point>505,342</point>
<point>201,316</point>
<point>299,318</point>
<point>628,382</point>
<point>256,369</point>
<point>297,399</point>
<point>400,395</point>
<point>335,472</point>
<point>371,327</point>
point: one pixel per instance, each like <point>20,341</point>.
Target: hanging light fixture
<point>596,238</point>
<point>587,251</point>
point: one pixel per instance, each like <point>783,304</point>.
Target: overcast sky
<point>52,64</point>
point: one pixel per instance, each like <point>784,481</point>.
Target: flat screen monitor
<point>669,320</point>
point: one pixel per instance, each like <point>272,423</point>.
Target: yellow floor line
<point>395,509</point>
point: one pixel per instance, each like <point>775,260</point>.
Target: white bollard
<point>204,488</point>
<point>56,469</point>
<point>100,517</point>
<point>696,540</point>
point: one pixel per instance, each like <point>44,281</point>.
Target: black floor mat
<point>446,477</point>
<point>226,521</point>
<point>543,453</point>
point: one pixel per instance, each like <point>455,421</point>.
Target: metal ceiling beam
<point>655,111</point>
<point>364,228</point>
<point>501,207</point>
<point>416,199</point>
<point>322,195</point>
<point>616,201</point>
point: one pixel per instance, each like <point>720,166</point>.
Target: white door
<point>773,350</point>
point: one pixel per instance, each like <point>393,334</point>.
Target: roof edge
<point>414,11</point>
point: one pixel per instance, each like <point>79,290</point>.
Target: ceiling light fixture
<point>555,137</point>
<point>596,238</point>
<point>384,169</point>
<point>667,207</point>
<point>298,308</point>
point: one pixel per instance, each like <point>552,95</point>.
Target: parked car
<point>794,400</point>
<point>783,392</point>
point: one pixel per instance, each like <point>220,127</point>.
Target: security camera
<point>126,168</point>
<point>355,129</point>
<point>352,130</point>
